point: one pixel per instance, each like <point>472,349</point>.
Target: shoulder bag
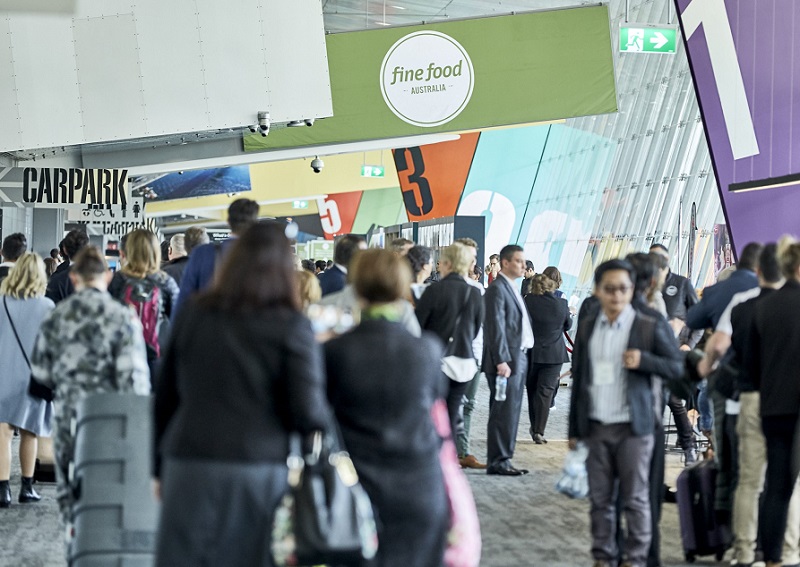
<point>456,368</point>
<point>326,518</point>
<point>35,389</point>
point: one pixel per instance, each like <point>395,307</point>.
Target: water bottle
<point>500,384</point>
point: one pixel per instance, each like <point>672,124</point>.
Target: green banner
<point>462,75</point>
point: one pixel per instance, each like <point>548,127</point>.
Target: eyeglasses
<point>611,289</point>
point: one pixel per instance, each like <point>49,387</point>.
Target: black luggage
<point>700,532</point>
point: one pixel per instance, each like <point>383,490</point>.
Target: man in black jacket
<point>507,338</point>
<point>618,352</point>
<point>60,286</point>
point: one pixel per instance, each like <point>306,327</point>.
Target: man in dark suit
<point>618,352</point>
<point>60,285</point>
<point>14,246</point>
<point>508,337</point>
<point>203,259</point>
<point>334,279</point>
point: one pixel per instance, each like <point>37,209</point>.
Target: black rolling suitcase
<point>700,532</point>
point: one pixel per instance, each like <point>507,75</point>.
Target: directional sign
<point>132,211</point>
<point>372,171</point>
<point>643,38</point>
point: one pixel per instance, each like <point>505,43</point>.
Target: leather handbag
<point>327,517</point>
<point>464,536</point>
<point>35,389</point>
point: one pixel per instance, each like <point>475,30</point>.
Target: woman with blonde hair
<point>147,289</point>
<point>310,290</point>
<point>24,309</point>
<point>453,310</point>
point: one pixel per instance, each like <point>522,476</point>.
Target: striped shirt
<point>609,388</point>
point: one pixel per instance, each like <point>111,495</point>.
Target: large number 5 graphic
<point>329,216</point>
<point>415,178</point>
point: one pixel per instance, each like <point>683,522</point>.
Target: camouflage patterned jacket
<point>90,343</point>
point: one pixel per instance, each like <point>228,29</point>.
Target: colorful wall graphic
<point>743,59</point>
<point>192,183</point>
<point>358,211</point>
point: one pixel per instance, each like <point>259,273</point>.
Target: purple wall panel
<point>766,53</point>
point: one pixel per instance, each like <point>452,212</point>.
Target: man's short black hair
<point>241,214</point>
<point>346,247</point>
<point>749,257</point>
<point>307,265</point>
<point>321,264</point>
<point>14,246</point>
<point>768,264</point>
<point>660,247</point>
<point>529,265</point>
<point>75,241</point>
<point>613,265</point>
<point>508,251</point>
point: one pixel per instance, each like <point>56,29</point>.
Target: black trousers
<point>779,433</point>
<point>541,383</point>
<point>685,434</point>
<point>501,430</point>
<point>455,405</point>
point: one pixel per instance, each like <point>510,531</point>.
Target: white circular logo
<point>427,78</point>
<point>671,290</point>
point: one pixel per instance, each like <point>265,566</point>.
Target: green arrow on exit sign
<point>372,171</point>
<point>641,38</point>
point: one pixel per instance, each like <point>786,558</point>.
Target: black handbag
<point>35,389</point>
<point>327,513</point>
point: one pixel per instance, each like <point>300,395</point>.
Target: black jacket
<point>550,319</point>
<point>775,340</point>
<point>332,280</point>
<point>502,326</point>
<point>233,386</point>
<point>742,324</point>
<point>382,382</point>
<point>659,357</point>
<point>440,307</point>
<point>176,267</point>
<point>60,287</point>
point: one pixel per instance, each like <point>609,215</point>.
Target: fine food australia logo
<point>427,78</point>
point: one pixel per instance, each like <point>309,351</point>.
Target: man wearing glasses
<point>618,352</point>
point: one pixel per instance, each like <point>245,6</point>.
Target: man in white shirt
<point>507,338</point>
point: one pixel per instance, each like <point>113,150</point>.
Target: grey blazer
<point>502,326</point>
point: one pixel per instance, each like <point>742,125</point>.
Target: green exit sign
<point>372,171</point>
<point>299,204</point>
<point>643,38</point>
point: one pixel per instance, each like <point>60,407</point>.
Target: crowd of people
<point>227,338</point>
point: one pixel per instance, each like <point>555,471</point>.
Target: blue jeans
<point>706,421</point>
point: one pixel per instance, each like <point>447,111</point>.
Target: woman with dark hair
<point>382,382</point>
<point>421,260</point>
<point>550,318</point>
<point>242,370</point>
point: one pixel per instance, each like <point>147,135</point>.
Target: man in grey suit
<point>507,338</point>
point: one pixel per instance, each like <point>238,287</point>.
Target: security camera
<point>263,123</point>
<point>309,121</point>
<point>317,165</point>
<point>253,128</point>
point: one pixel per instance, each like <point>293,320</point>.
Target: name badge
<point>603,373</point>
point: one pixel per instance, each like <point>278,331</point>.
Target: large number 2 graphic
<point>415,178</point>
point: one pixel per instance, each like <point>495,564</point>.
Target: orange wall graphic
<point>432,177</point>
<point>337,212</point>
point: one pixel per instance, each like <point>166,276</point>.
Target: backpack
<point>146,298</point>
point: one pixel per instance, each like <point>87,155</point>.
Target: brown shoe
<point>470,462</point>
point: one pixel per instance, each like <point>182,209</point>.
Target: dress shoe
<point>690,456</point>
<point>470,462</point>
<point>507,471</point>
<point>5,494</point>
<point>539,439</point>
<point>27,493</point>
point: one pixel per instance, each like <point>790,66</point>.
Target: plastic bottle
<point>500,384</point>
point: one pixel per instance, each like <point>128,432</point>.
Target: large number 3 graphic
<point>423,205</point>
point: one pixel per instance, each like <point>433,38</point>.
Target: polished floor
<point>524,522</point>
